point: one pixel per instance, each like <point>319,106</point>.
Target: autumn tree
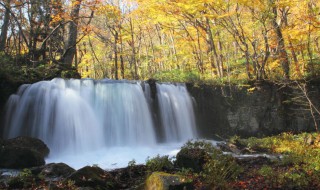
<point>5,26</point>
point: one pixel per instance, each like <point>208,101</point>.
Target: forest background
<point>169,40</point>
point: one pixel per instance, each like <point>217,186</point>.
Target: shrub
<point>25,179</point>
<point>218,169</point>
<point>177,76</point>
<point>159,163</point>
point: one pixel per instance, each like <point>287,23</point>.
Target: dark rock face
<point>6,89</point>
<point>257,110</point>
<point>94,177</point>
<point>22,152</point>
<point>192,158</point>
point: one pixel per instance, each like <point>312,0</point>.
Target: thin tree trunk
<point>316,41</point>
<point>115,49</point>
<point>312,69</point>
<point>174,51</point>
<point>266,53</point>
<point>295,59</point>
<point>212,50</point>
<point>133,55</point>
<point>121,56</point>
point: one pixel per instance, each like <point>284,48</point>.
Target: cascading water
<point>176,111</point>
<point>94,118</point>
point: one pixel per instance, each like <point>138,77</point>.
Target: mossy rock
<point>94,177</point>
<point>191,158</point>
<point>29,143</point>
<point>166,181</point>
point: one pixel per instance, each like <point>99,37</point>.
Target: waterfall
<point>176,111</point>
<point>77,116</point>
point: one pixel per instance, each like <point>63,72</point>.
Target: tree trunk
<point>133,49</point>
<point>121,56</point>
<point>70,47</point>
<point>4,28</point>
<point>212,50</point>
<point>115,49</point>
<point>282,53</point>
<point>295,59</point>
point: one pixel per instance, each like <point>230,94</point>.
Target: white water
<point>108,123</point>
<point>176,111</point>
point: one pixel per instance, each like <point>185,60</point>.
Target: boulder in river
<point>22,152</point>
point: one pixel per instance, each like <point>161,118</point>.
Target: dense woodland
<point>224,41</point>
<point>177,40</point>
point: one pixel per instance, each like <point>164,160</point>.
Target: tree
<point>5,27</point>
<point>71,41</point>
<point>281,49</point>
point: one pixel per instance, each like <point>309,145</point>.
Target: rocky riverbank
<point>285,161</point>
<point>160,172</point>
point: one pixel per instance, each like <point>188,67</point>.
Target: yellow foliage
<point>169,34</point>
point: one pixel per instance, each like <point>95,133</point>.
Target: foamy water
<point>116,157</point>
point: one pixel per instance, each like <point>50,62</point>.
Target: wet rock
<point>22,152</point>
<point>28,143</point>
<point>228,147</point>
<point>193,158</point>
<point>14,157</point>
<point>94,177</point>
<point>53,170</point>
<point>165,181</point>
